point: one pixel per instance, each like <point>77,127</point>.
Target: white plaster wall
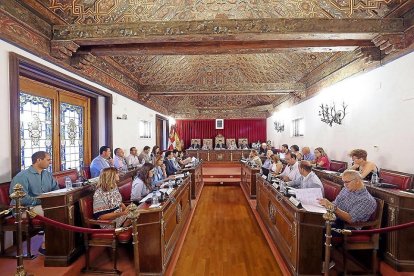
<point>125,132</point>
<point>380,117</point>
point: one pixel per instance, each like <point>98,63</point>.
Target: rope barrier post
<point>329,217</point>
<point>17,195</point>
<point>133,216</point>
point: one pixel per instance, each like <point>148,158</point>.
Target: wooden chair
<point>219,140</point>
<point>125,188</point>
<point>30,227</point>
<point>86,172</point>
<point>105,240</point>
<point>331,189</point>
<point>402,180</point>
<point>365,242</point>
<point>208,144</point>
<point>60,177</point>
<point>229,141</point>
<point>338,166</point>
<point>240,141</point>
<point>195,142</point>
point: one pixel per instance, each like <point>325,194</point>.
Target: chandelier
<point>330,115</point>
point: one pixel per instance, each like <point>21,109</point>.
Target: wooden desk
<point>297,233</point>
<point>219,156</point>
<point>398,209</point>
<point>248,179</point>
<point>159,230</point>
<point>197,181</point>
<point>63,247</point>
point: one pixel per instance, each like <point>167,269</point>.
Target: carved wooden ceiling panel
<point>216,58</point>
<point>109,11</point>
<point>222,69</point>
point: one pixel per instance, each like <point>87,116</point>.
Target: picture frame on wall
<point>219,123</point>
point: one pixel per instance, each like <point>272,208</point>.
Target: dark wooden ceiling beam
<point>227,30</point>
<point>228,89</point>
<point>225,47</point>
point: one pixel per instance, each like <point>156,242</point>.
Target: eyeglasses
<point>348,181</point>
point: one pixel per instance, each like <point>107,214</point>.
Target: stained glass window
<point>35,127</point>
<point>71,136</point>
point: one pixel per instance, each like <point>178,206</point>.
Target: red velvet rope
<point>74,228</point>
<point>383,230</point>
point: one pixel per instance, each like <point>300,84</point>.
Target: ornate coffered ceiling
<point>208,59</point>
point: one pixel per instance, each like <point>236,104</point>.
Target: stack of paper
<point>308,198</point>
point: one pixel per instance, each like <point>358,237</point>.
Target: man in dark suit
<point>220,145</point>
<point>195,146</point>
<point>169,163</point>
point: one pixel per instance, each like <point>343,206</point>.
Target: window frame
<point>295,131</point>
<point>20,66</point>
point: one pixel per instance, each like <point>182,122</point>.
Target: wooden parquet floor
<point>224,238</point>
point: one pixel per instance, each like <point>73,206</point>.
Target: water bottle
<point>170,184</point>
<point>374,178</point>
<point>154,197</point>
<point>68,183</point>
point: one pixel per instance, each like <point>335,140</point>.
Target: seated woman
<point>182,158</point>
<point>277,165</point>
<point>160,174</point>
<point>255,159</point>
<point>321,159</point>
<point>141,186</point>
<point>155,153</point>
<point>360,163</point>
<point>268,162</point>
<point>107,201</point>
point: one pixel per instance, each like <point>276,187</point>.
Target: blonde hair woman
<point>277,165</point>
<point>321,159</point>
<point>107,201</point>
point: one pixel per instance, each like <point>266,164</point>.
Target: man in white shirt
<point>291,172</point>
<point>119,159</point>
<point>145,155</point>
<point>308,178</point>
<point>132,159</point>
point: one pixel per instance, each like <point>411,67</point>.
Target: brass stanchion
<point>133,216</point>
<point>17,196</point>
<point>329,217</point>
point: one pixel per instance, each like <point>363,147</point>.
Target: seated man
<point>283,151</point>
<point>195,145</point>
<point>268,162</point>
<point>170,166</point>
<point>119,160</point>
<point>220,145</point>
<point>291,172</point>
<point>232,145</point>
<point>255,159</point>
<point>244,145</point>
<point>307,154</point>
<point>35,180</point>
<point>207,145</point>
<point>132,159</point>
<point>308,178</point>
<point>263,149</point>
<point>144,156</point>
<point>354,203</point>
<point>102,161</point>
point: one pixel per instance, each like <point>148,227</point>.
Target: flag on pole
<point>174,140</point>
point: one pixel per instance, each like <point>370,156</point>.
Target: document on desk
<point>149,196</point>
<point>181,175</point>
<point>308,198</point>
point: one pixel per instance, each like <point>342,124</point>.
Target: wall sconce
<point>123,117</point>
<point>279,127</point>
<point>330,115</point>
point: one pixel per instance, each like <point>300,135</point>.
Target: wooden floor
<point>224,238</point>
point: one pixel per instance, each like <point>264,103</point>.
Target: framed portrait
<point>219,123</point>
